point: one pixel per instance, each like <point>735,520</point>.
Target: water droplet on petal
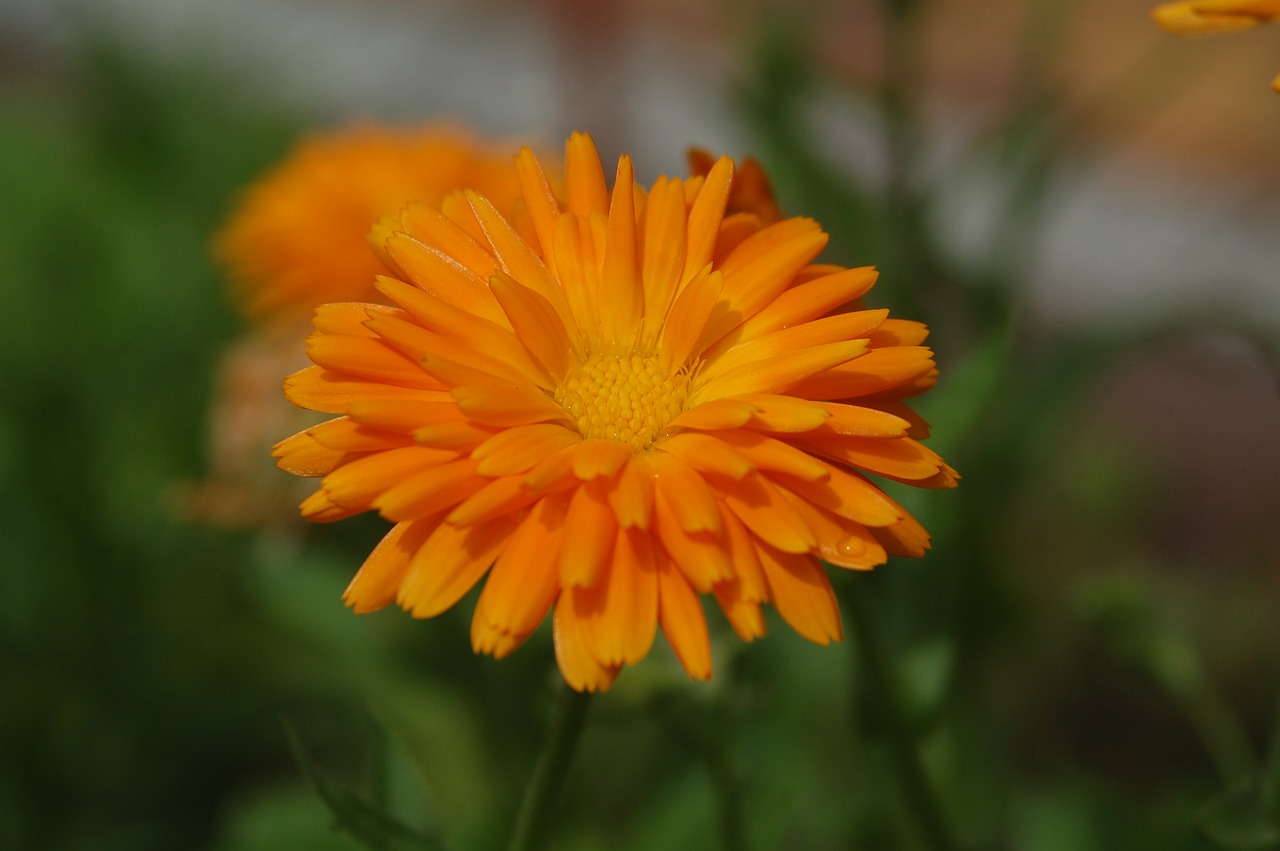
<point>852,546</point>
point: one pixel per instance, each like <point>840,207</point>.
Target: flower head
<point>1204,17</point>
<point>297,238</point>
<point>612,406</point>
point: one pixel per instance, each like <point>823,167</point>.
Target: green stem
<point>541,795</point>
<point>888,707</point>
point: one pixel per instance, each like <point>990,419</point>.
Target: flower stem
<point>889,711</point>
<point>543,791</point>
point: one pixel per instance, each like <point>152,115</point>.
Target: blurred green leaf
<point>1239,819</point>
<point>371,825</point>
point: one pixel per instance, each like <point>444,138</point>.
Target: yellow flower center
<point>627,398</point>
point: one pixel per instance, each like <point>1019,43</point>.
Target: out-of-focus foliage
<point>1056,672</point>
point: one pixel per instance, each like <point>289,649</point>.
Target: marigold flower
<point>297,238</point>
<point>1204,17</point>
<point>611,406</point>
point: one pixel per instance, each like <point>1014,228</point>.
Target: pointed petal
<point>430,491</point>
<point>584,176</point>
<point>524,581</point>
<point>580,669</point>
<point>683,622</point>
<point>507,406</point>
<point>450,562</point>
<point>705,216</point>
<point>621,299</point>
<point>631,495</point>
<point>802,594</point>
<point>707,454</point>
<point>766,513</point>
<point>619,615</point>
<point>537,325</point>
<point>540,201</point>
<point>589,530</point>
<point>517,450</point>
<point>376,582</point>
<point>684,489</point>
<point>595,458</point>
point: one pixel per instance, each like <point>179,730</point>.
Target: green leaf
<point>368,824</point>
<point>1239,819</point>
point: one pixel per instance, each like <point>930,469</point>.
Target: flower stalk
<point>533,822</point>
<point>890,712</point>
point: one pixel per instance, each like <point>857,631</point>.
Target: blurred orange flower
<point>612,405</point>
<point>297,238</point>
<point>1203,17</point>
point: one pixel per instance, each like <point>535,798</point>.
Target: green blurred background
<point>1088,657</point>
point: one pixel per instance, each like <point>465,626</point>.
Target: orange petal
<point>619,614</point>
<point>733,352</point>
<point>456,436</point>
<point>536,323</point>
<point>404,417</point>
<point>470,335</point>
<point>506,406</point>
<point>357,484</point>
<point>784,413</point>
<point>705,216</point>
<point>743,614</point>
<point>595,458</point>
<point>524,581</point>
<point>707,454</point>
<point>539,200</point>
<point>703,557</point>
<point>898,458</point>
<point>462,243</point>
<point>631,495</point>
<point>802,594</point>
<point>584,176</point>
<point>683,622</point>
<point>848,495</point>
<point>517,258</point>
<point>503,495</point>
<point>873,372</point>
<point>766,513</point>
<point>695,304</point>
<point>375,584</point>
<point>588,536</point>
<point>663,252</point>
<point>775,456</point>
<point>579,667</point>
<point>429,491</point>
<point>762,267</point>
<point>621,299</point>
<point>317,389</point>
<point>906,537</point>
<point>779,373</point>
<point>684,489</point>
<point>517,450</point>
<point>840,541</point>
<point>856,421</point>
<point>319,508</point>
<point>809,300</point>
<point>450,562</point>
<point>347,318</point>
<point>439,274</point>
<point>714,415</point>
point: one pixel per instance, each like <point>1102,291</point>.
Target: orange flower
<point>611,407</point>
<point>1203,17</point>
<point>298,237</point>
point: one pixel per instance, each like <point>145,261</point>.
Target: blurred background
<point>1084,209</point>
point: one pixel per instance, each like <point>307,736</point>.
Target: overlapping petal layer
<point>614,406</point>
